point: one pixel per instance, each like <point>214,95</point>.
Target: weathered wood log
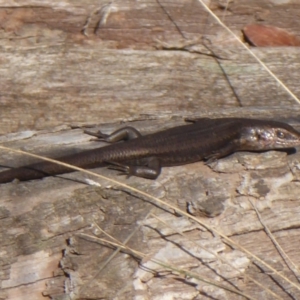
<point>52,77</point>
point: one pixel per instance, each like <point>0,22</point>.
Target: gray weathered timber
<point>88,85</point>
<point>44,214</point>
<point>53,76</point>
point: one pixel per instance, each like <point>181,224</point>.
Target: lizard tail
<point>34,171</point>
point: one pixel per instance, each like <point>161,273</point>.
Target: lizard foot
<point>123,169</point>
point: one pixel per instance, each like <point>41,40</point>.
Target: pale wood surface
<point>52,76</point>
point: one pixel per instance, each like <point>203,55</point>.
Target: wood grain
<point>135,66</point>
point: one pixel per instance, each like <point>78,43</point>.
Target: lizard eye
<point>280,134</point>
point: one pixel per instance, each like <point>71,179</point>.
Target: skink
<point>144,156</point>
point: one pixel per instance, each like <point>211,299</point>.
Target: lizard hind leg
<point>150,170</point>
<point>122,134</point>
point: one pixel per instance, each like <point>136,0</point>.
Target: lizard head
<point>269,135</point>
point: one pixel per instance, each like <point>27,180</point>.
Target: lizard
<point>144,156</point>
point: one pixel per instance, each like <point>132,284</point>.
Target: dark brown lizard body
<point>144,156</point>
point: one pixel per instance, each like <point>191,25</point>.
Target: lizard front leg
<point>215,155</point>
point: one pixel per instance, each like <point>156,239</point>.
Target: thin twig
<point>160,202</point>
<point>283,254</point>
<point>250,52</point>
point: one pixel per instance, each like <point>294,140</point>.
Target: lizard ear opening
<point>264,135</point>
